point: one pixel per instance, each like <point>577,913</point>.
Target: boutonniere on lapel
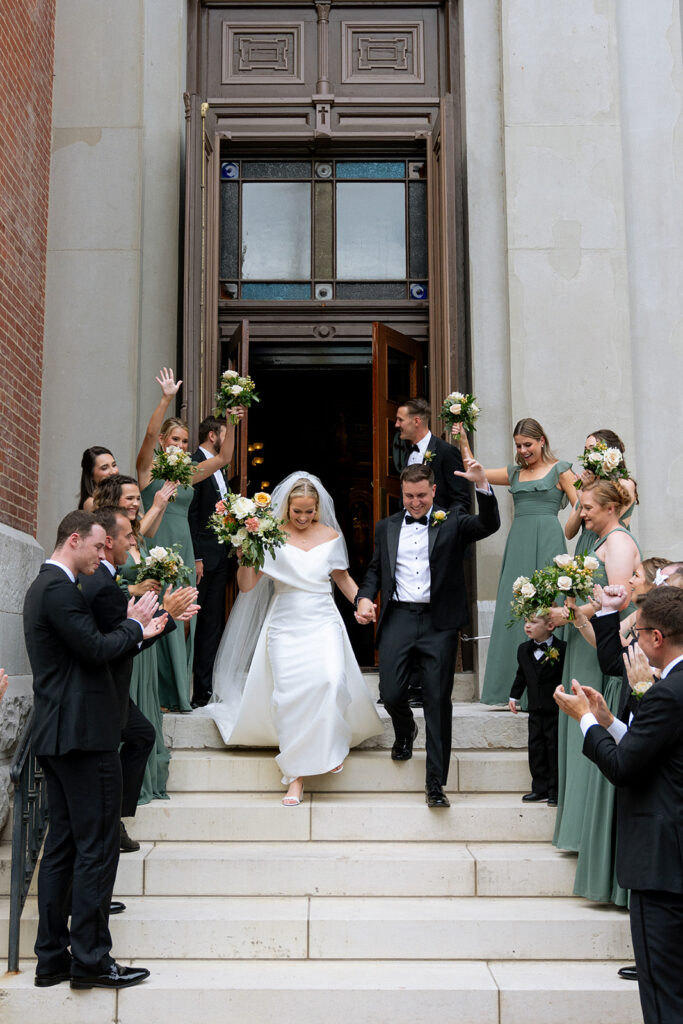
<point>437,518</point>
<point>640,689</point>
<point>428,457</point>
<point>551,656</point>
<point>79,587</point>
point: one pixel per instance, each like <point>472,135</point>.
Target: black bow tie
<point>543,645</point>
<point>423,520</point>
<point>414,448</point>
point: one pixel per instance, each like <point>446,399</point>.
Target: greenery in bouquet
<point>459,408</point>
<point>173,464</point>
<point>165,565</point>
<point>234,390</point>
<point>568,576</point>
<point>603,462</point>
<point>249,524</point>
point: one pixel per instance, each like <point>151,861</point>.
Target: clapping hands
<point>143,610</point>
<point>181,603</point>
<point>610,598</point>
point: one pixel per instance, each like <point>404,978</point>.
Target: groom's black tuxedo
<point>211,618</point>
<point>427,633</point>
<point>646,766</point>
<point>76,733</point>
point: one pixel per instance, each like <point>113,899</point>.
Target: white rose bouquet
<point>459,408</point>
<point>249,524</point>
<point>165,565</point>
<point>603,462</point>
<point>234,390</point>
<point>173,464</point>
<point>568,576</point>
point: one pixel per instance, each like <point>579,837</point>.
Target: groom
<point>417,564</point>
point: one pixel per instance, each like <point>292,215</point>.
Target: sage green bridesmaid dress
<point>585,821</point>
<point>144,691</point>
<point>174,652</point>
<point>535,537</point>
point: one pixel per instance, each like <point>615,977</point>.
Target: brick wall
<point>26,66</point>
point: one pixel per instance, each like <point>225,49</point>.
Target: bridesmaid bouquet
<point>166,566</point>
<point>603,462</point>
<point>249,524</point>
<point>568,576</point>
<point>234,390</point>
<point>459,408</point>
<point>173,464</point>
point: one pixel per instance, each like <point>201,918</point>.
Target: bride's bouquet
<point>234,390</point>
<point>173,464</point>
<point>603,462</point>
<point>165,565</point>
<point>249,524</point>
<point>567,577</point>
<point>459,408</point>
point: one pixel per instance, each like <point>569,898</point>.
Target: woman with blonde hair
<point>285,673</point>
<point>540,485</point>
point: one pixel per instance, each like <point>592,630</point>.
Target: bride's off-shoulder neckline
<point>307,551</point>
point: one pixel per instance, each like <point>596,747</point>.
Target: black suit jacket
<point>539,678</point>
<point>610,652</point>
<point>447,544</point>
<point>647,767</point>
<point>108,604</point>
<point>76,703</point>
<point>204,541</point>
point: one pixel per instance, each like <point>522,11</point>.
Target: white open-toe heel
<point>293,801</point>
<point>337,770</point>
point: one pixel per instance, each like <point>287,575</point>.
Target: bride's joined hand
<point>366,612</point>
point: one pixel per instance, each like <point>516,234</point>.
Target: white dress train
<point>304,691</point>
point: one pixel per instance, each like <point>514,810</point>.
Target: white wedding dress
<point>304,691</point>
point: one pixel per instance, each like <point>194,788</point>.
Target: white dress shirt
<point>418,457</point>
<point>218,475</point>
<point>413,578</point>
<point>60,565</point>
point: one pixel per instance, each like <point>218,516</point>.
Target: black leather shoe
<point>47,980</point>
<point>116,907</point>
<point>435,796</point>
<point>629,973</point>
<point>115,977</point>
<point>534,798</point>
<point>552,801</point>
<point>415,702</point>
<point>402,750</point>
<point>128,845</point>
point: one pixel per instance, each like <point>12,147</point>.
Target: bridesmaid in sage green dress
<point>175,652</point>
<point>540,486</point>
<point>585,813</point>
<point>574,523</point>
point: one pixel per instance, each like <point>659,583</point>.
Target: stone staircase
<point>360,905</point>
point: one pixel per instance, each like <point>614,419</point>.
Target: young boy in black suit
<point>539,671</point>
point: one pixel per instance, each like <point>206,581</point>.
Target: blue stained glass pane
<point>380,169</point>
<point>279,290</point>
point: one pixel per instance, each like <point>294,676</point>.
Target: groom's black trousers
<point>408,636</point>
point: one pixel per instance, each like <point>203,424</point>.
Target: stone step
<point>351,928</point>
<point>465,686</point>
<point>475,727</point>
<point>365,992</point>
<point>241,771</point>
<point>361,817</point>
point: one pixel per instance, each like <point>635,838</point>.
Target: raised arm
<point>208,467</point>
<point>497,477</point>
<point>169,389</point>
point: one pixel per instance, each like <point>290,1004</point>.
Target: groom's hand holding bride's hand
<point>366,611</point>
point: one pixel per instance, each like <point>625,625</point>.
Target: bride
<point>285,673</point>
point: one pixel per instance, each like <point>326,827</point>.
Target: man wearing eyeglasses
<point>645,762</point>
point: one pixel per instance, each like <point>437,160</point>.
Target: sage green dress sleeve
<point>534,539</point>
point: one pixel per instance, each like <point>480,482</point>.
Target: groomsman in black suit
<point>539,671</point>
<point>417,565</point>
<point>76,735</point>
<point>211,560</point>
<point>444,460</point>
<point>645,762</point>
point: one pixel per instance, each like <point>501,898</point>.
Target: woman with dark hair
<point>540,485</point>
<point>97,464</point>
<point>574,522</point>
<point>123,491</point>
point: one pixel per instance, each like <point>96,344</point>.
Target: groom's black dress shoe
<point>127,845</point>
<point>629,973</point>
<point>534,798</point>
<point>47,980</point>
<point>402,750</point>
<point>115,976</point>
<point>116,907</point>
<point>435,796</point>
